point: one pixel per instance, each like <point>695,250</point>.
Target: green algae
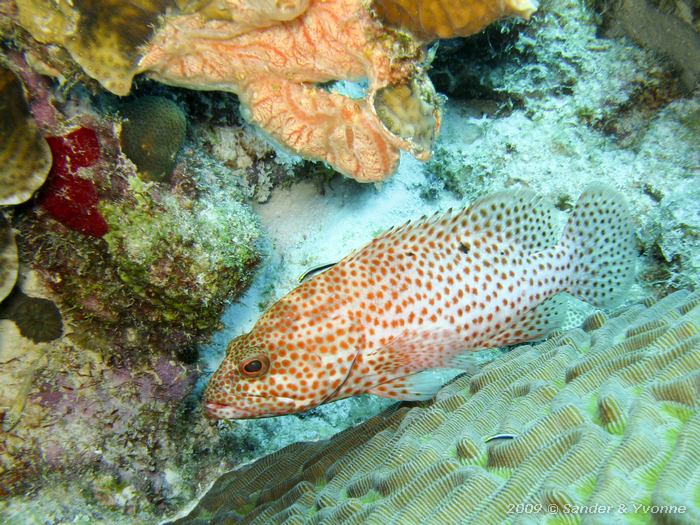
<point>185,258</point>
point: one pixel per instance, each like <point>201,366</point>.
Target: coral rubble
<point>604,418</point>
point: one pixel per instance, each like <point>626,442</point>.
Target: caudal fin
<point>599,239</point>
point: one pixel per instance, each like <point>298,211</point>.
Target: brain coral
<point>605,416</point>
<point>152,133</point>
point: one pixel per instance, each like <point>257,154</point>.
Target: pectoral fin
<point>415,387</point>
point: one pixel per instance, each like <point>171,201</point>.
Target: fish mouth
<point>263,407</point>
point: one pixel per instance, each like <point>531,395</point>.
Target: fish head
<point>280,368</point>
<point>243,385</point>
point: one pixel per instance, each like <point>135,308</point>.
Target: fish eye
<point>254,366</point>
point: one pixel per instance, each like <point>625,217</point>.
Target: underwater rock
<point>9,264</point>
<point>168,295</point>
<point>26,157</point>
<point>183,259</point>
<point>159,278</point>
<point>107,428</point>
<point>604,418</point>
<point>669,27</point>
<point>152,134</point>
<point>68,197</point>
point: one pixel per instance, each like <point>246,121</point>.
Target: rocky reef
<point>274,56</point>
<point>111,272</point>
<point>600,417</point>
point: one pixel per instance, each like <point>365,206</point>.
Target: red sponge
<point>67,197</point>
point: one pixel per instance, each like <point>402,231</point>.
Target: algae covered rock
<point>183,258</point>
<point>603,419</point>
<point>152,134</point>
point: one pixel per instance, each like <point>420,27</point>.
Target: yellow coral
<point>103,36</point>
<point>593,421</point>
<point>9,263</point>
<point>432,19</point>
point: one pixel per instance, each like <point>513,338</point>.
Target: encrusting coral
<point>152,134</point>
<point>274,55</point>
<point>103,36</point>
<point>602,419</point>
<point>36,318</point>
<point>25,158</point>
<point>9,264</point>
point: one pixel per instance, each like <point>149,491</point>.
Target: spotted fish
<point>419,296</point>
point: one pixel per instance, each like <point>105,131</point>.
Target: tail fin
<point>599,239</point>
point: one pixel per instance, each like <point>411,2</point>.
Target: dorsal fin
<point>518,217</point>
